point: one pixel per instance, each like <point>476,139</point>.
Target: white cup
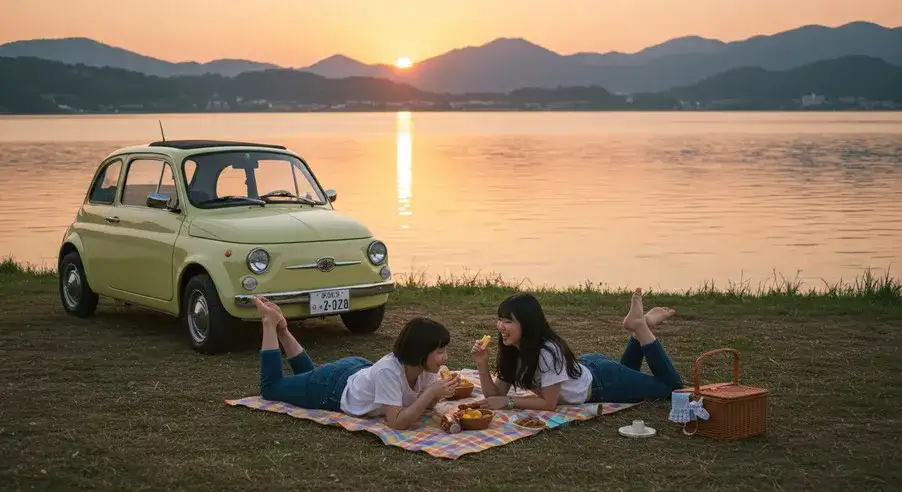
<point>638,427</point>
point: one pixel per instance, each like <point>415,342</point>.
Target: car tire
<point>364,321</point>
<point>209,326</point>
<point>75,293</point>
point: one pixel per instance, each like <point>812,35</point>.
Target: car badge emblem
<point>325,264</point>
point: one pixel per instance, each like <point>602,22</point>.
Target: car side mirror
<point>332,194</point>
<point>159,201</point>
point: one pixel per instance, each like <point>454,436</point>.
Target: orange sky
<point>299,32</point>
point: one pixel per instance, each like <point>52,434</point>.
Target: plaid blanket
<point>428,436</point>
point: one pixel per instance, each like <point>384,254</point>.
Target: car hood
<point>276,225</point>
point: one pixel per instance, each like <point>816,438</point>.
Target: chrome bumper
<point>299,296</point>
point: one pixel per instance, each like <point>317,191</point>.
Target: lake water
<point>659,200</point>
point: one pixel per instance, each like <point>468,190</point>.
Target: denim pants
<point>623,382</point>
<point>311,386</point>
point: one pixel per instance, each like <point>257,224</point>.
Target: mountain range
<point>35,86</point>
<point>506,64</point>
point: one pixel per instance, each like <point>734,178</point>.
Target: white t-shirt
<point>573,391</point>
<point>383,383</point>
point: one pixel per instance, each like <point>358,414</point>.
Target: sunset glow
<point>371,33</point>
<point>403,63</point>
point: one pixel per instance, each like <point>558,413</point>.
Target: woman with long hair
<point>532,356</point>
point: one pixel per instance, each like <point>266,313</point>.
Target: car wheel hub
<point>71,286</point>
<point>198,317</point>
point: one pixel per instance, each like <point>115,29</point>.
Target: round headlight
<point>258,260</point>
<point>377,252</point>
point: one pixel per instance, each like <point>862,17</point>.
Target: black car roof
<point>204,144</point>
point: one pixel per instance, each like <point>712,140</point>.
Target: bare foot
<point>658,315</point>
<point>635,320</point>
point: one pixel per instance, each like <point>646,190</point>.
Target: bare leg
<point>290,344</point>
<point>660,365</point>
<point>298,359</point>
<point>635,320</point>
<point>632,353</point>
<point>270,336</point>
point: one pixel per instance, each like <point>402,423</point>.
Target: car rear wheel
<point>76,295</point>
<point>364,321</point>
<point>210,327</point>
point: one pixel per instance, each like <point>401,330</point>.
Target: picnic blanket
<point>427,435</point>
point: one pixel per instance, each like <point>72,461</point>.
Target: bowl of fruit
<point>475,418</point>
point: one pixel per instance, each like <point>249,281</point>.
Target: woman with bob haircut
<point>400,386</point>
<point>533,357</point>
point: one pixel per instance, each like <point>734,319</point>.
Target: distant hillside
<point>32,85</point>
<point>36,85</point>
<point>687,45</point>
<point>847,77</point>
<point>507,64</point>
<point>95,54</point>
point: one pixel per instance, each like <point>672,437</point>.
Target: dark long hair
<point>517,366</point>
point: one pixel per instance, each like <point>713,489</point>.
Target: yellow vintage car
<point>196,228</point>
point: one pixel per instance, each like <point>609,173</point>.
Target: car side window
<point>106,184</point>
<point>145,177</point>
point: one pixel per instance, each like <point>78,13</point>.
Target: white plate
<point>330,301</point>
<point>514,421</point>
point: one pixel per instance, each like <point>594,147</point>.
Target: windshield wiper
<point>234,198</point>
<point>288,194</point>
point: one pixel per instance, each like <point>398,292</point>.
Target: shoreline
<point>446,110</point>
<point>866,287</point>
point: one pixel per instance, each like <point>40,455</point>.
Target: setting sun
<point>403,63</point>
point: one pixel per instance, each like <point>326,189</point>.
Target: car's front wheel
<point>364,321</point>
<point>76,295</point>
<point>210,327</point>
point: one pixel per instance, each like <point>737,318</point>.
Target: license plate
<point>329,301</point>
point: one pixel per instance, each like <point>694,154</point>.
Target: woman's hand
<point>493,402</point>
<point>480,355</point>
<point>443,389</point>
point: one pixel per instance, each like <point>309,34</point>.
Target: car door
<point>146,228</point>
<point>95,221</point>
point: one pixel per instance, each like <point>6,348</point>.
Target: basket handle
<point>697,368</point>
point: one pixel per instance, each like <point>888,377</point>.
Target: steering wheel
<point>278,193</point>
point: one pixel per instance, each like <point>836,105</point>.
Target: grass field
<point>119,401</point>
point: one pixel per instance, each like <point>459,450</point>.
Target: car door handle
<point>112,219</point>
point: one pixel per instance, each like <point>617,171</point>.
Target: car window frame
<point>164,159</point>
<point>193,157</point>
<point>100,175</point>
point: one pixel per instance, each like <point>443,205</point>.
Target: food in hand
<point>446,374</point>
<point>485,341</point>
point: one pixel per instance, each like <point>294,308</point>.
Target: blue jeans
<point>623,382</point>
<point>311,386</point>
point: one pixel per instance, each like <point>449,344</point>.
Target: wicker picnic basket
<point>736,411</point>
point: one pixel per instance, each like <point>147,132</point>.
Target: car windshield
<point>223,179</point>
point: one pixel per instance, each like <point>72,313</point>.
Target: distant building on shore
<point>813,99</point>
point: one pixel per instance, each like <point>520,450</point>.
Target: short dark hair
<point>419,337</point>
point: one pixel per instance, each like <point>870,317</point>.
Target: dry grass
<point>120,401</point>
